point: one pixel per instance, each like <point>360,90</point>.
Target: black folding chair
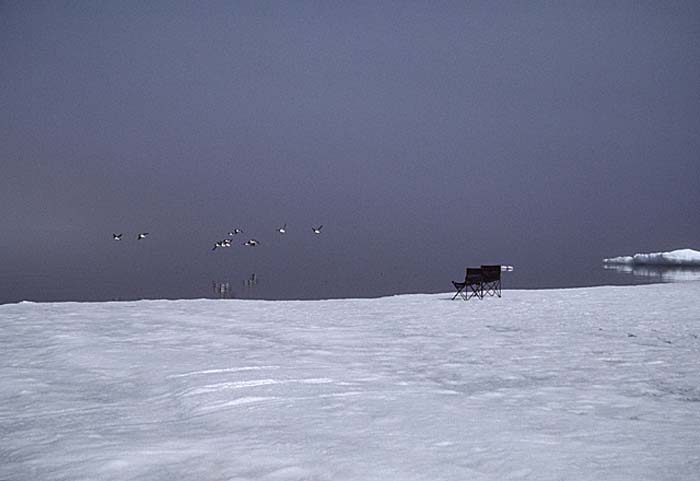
<point>491,280</point>
<point>460,287</point>
<point>475,283</point>
<point>472,285</point>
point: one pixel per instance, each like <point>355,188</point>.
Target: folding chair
<point>460,287</point>
<point>491,280</point>
<point>475,283</point>
<point>472,285</point>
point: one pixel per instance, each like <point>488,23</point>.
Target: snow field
<point>578,384</point>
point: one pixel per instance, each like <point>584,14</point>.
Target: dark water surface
<point>308,269</point>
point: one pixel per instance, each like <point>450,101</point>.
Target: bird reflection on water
<point>225,290</point>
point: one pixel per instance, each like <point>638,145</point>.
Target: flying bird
<point>251,243</point>
<point>222,243</point>
<point>142,235</point>
<point>283,229</point>
<point>117,237</point>
<point>317,230</point>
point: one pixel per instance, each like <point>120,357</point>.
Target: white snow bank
<point>680,257</point>
<point>580,384</point>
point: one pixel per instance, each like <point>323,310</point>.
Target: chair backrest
<point>491,273</point>
<point>474,275</point>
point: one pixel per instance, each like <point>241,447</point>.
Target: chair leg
<point>492,288</point>
<point>475,290</point>
<point>459,291</point>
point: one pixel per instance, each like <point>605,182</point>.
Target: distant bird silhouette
<point>235,232</point>
<point>283,229</point>
<point>142,235</point>
<point>117,237</point>
<point>222,243</point>
<point>317,230</point>
<point>251,243</point>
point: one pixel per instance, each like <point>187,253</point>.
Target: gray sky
<point>424,136</point>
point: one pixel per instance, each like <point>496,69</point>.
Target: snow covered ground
<point>580,384</point>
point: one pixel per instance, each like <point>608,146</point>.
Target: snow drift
<point>680,257</point>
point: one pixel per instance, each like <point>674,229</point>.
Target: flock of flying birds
<point>227,242</point>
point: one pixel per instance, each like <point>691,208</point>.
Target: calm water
<point>251,274</point>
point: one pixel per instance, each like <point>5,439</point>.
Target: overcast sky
<point>424,136</point>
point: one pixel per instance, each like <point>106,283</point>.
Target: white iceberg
<point>575,384</point>
<point>679,257</point>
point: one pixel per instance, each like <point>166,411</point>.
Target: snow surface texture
<point>579,384</point>
<point>680,257</point>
